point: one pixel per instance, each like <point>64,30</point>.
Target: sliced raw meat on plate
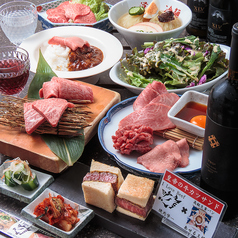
<point>133,138</point>
<point>148,94</point>
<point>168,99</point>
<point>52,109</point>
<point>162,157</point>
<point>73,42</point>
<point>33,119</point>
<point>89,18</point>
<point>57,15</point>
<point>184,151</point>
<point>153,115</point>
<point>72,11</point>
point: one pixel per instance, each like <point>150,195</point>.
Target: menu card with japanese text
<point>15,227</point>
<point>196,212</point>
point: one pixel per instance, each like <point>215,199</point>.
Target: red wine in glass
<point>16,74</point>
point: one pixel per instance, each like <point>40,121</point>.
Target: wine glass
<point>18,20</point>
<point>14,69</point>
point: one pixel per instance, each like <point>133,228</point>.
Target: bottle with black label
<point>198,25</point>
<point>220,21</point>
<point>219,171</point>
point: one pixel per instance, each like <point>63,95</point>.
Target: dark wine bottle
<point>220,21</point>
<point>198,24</point>
<point>219,171</point>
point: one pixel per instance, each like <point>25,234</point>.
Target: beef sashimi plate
<point>109,125</point>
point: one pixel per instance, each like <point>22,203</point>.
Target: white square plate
<point>84,214</point>
<point>19,192</point>
<point>189,96</point>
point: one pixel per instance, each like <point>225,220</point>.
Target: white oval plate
<point>107,128</point>
<point>116,75</point>
<point>110,46</point>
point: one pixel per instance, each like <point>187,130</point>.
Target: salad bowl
<point>120,77</point>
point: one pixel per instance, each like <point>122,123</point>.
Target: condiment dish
<point>136,39</point>
<point>189,96</point>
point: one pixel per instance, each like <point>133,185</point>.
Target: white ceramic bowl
<point>136,39</point>
<point>182,124</point>
<point>118,75</point>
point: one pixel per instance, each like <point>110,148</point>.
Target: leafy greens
<point>178,63</point>
<point>98,7</point>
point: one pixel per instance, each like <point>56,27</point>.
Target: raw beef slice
<point>66,89</point>
<point>57,15</point>
<point>148,94</point>
<point>168,99</point>
<point>52,109</point>
<point>69,89</point>
<point>153,115</point>
<point>72,11</point>
<point>49,90</point>
<point>184,151</point>
<point>33,119</point>
<point>162,157</point>
<point>133,138</point>
<point>73,42</point>
<point>89,18</point>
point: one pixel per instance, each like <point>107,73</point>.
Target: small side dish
<point>64,211</point>
<point>55,211</point>
<point>193,112</point>
<point>20,174</point>
<point>189,112</point>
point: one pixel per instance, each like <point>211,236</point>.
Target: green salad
<point>178,63</point>
<point>98,7</point>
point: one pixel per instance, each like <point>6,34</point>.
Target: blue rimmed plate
<point>107,128</point>
<point>103,24</point>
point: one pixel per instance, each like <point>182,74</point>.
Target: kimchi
<point>54,211</point>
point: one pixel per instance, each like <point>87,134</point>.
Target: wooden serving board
<point>32,148</point>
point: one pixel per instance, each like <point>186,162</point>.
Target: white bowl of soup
<point>169,20</point>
